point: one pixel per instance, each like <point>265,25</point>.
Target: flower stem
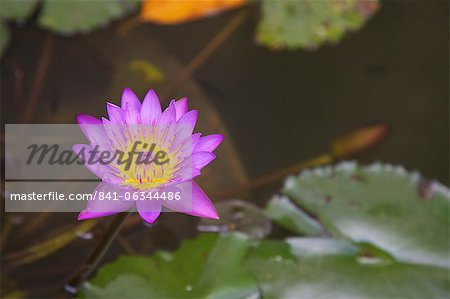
<point>274,176</point>
<point>348,145</point>
<point>206,52</point>
<point>97,254</point>
<point>39,78</point>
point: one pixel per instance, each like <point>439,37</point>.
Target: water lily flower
<point>162,155</point>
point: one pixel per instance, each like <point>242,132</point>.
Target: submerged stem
<point>39,78</point>
<point>206,52</point>
<point>274,176</point>
<point>97,254</point>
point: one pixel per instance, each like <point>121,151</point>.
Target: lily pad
<point>73,16</point>
<point>284,212</point>
<point>207,267</point>
<point>233,266</point>
<point>307,24</point>
<point>388,239</point>
<point>17,10</point>
<point>401,213</point>
<point>240,216</point>
<point>327,268</point>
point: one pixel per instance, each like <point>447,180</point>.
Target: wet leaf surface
<point>72,16</point>
<point>386,242</point>
<point>308,24</point>
<point>379,204</point>
<point>281,210</point>
<point>233,266</point>
<point>207,267</point>
<point>17,10</point>
<point>336,271</point>
<point>238,216</point>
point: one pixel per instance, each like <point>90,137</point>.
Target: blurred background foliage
<point>308,24</point>
<point>284,24</point>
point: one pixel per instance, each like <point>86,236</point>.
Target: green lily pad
<point>399,212</point>
<point>387,237</point>
<point>238,216</point>
<point>4,37</point>
<point>235,266</point>
<point>307,24</point>
<point>17,10</point>
<point>284,212</point>
<point>209,266</point>
<point>73,16</point>
<point>327,268</point>
<point>321,247</point>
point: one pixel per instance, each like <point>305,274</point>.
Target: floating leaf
<point>4,37</point>
<point>72,16</point>
<point>389,240</point>
<point>309,23</point>
<point>395,219</point>
<point>232,266</point>
<point>285,213</point>
<point>171,12</point>
<point>321,247</point>
<point>17,10</point>
<point>238,215</point>
<point>383,205</point>
<point>209,266</point>
<point>327,268</point>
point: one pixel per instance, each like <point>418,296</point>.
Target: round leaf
<point>72,16</point>
<point>399,212</point>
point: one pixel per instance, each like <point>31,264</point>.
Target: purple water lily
<point>162,154</point>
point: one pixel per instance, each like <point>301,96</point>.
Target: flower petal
<point>184,148</point>
<point>186,174</point>
<point>168,116</point>
<point>186,124</point>
<point>185,127</point>
<point>131,106</point>
<point>100,208</point>
<point>115,134</point>
<point>193,201</point>
<point>93,130</point>
<point>195,138</point>
<point>115,113</point>
<point>103,171</point>
<point>202,205</point>
<point>199,160</point>
<point>149,210</point>
<point>209,143</point>
<point>84,215</point>
<point>84,119</point>
<point>181,107</point>
<point>151,108</point>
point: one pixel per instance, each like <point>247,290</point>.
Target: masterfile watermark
<point>56,168</point>
<point>52,154</point>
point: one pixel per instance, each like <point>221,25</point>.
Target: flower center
<point>147,166</point>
